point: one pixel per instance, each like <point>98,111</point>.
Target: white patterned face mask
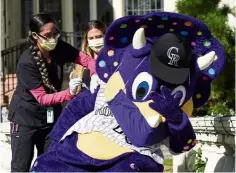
<point>96,44</point>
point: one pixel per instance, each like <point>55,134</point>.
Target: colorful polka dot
<point>123,26</point>
<point>205,78</point>
<point>137,20</point>
<point>110,53</point>
<point>199,33</point>
<point>193,44</point>
<point>143,26</point>
<point>102,63</point>
<point>216,57</point>
<point>111,38</point>
<point>206,43</point>
<point>150,19</point>
<point>160,26</point>
<point>115,63</point>
<point>171,29</point>
<point>174,23</point>
<point>36,163</point>
<point>189,141</point>
<point>124,40</point>
<point>132,166</point>
<point>211,71</point>
<point>186,147</point>
<point>164,18</point>
<point>198,96</point>
<point>184,33</point>
<point>187,23</point>
<point>105,75</point>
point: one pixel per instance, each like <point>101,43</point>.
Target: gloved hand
<point>94,83</point>
<point>74,84</point>
<point>167,105</point>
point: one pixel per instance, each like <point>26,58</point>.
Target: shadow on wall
<point>225,164</point>
<point>185,162</point>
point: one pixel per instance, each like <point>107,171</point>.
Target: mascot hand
<point>94,83</point>
<point>167,105</point>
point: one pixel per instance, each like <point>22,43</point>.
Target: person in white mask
<point>36,102</point>
<point>92,44</point>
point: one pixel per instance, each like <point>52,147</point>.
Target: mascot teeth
<point>154,121</point>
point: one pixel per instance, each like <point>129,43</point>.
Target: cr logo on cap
<point>174,58</point>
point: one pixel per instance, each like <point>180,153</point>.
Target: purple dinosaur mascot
<point>153,70</point>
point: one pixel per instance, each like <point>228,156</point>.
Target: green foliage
<point>199,163</point>
<point>168,162</point>
<point>168,165</point>
<point>222,100</point>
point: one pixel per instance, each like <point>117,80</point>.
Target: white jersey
<point>102,120</point>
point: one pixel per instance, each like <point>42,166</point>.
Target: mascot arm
<point>182,137</point>
<point>80,106</point>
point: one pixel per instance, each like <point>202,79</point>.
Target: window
<point>27,13</point>
<point>141,7</point>
<point>105,11</point>
<point>80,19</point>
<point>52,7</point>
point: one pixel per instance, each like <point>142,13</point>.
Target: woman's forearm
<point>45,99</point>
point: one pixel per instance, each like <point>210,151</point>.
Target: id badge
<point>50,115</point>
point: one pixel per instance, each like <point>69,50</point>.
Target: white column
<point>93,9</point>
<point>162,5</point>
<point>36,6</point>
<point>118,8</point>
<point>67,17</point>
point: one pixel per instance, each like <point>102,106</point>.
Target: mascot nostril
<point>151,80</point>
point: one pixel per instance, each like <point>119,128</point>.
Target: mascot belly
<point>154,69</point>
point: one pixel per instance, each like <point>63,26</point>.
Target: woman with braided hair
<point>36,103</point>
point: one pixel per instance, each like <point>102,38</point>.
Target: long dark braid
<point>41,63</point>
<point>36,22</point>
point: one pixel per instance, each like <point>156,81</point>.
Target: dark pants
<point>23,140</point>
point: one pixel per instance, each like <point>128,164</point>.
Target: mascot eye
<point>142,86</point>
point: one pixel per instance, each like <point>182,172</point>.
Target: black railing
<point>73,38</point>
<point>9,58</point>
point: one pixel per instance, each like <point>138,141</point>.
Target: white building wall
<point>169,5</point>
